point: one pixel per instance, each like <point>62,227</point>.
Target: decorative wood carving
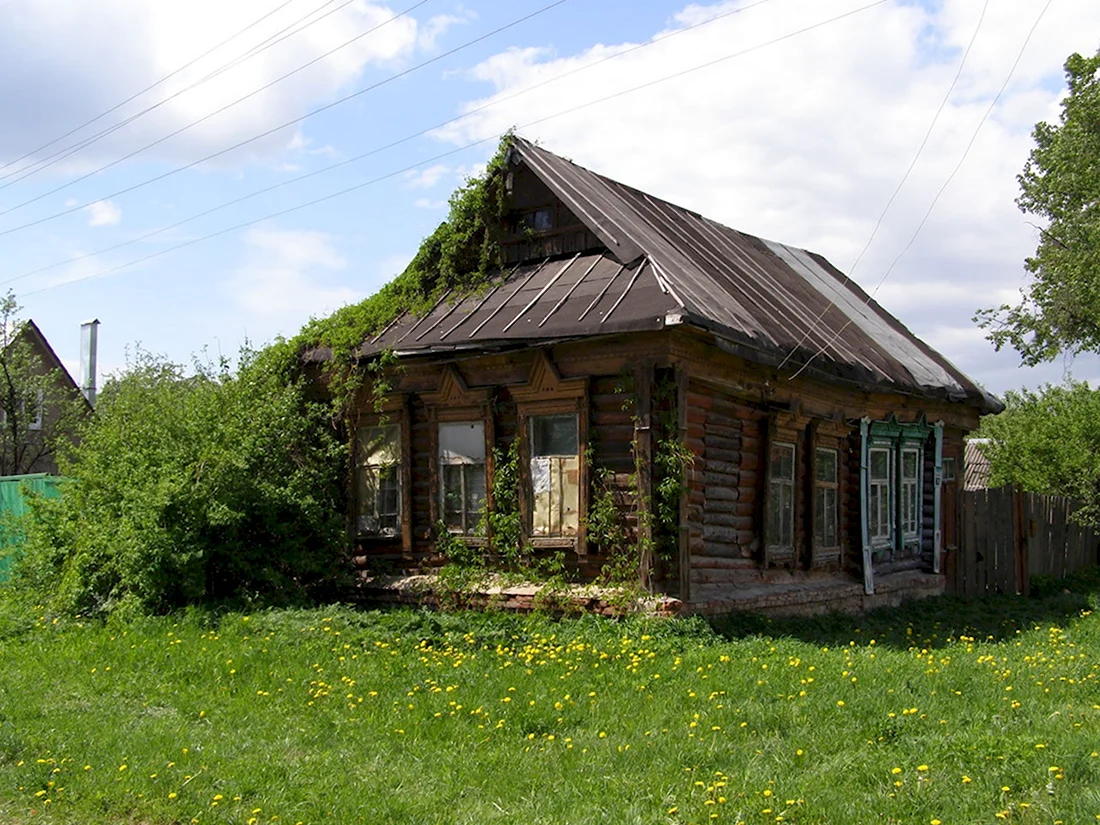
<point>453,392</point>
<point>544,383</point>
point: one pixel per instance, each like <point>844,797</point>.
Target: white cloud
<point>804,140</point>
<point>89,57</point>
<point>103,213</point>
<point>439,25</point>
<point>283,276</point>
<point>428,203</point>
<point>426,178</point>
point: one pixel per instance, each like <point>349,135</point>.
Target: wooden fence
<point>1008,536</point>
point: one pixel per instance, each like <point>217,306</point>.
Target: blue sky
<point>801,140</point>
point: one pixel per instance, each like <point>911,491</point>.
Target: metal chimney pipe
<point>89,343</point>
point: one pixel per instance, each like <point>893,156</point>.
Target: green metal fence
<point>13,504</point>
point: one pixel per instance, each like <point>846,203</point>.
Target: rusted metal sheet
<point>582,295</point>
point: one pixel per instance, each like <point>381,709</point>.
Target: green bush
<point>192,489</point>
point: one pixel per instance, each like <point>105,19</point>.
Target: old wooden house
<point>765,429</point>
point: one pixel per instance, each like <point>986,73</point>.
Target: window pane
<point>949,469</point>
<point>782,459</point>
<point>462,443</point>
<point>380,446</point>
<point>825,462</point>
<point>379,501</point>
<point>880,464</point>
<point>554,435</point>
<point>831,537</point>
<point>825,517</point>
<point>555,483</point>
<point>475,496</point>
<point>787,514</point>
<point>452,496</point>
<point>909,464</point>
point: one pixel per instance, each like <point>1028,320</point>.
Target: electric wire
<point>496,101</point>
<point>942,189</point>
<point>148,88</point>
<point>227,106</point>
<point>45,162</point>
<point>898,188</point>
<point>299,119</point>
<point>443,155</point>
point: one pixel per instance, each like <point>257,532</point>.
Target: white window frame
<point>780,487</point>
<point>909,489</point>
<point>369,519</point>
<point>471,524</point>
<point>880,498</point>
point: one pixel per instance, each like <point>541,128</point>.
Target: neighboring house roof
<point>976,466</point>
<point>665,266</point>
<point>33,334</point>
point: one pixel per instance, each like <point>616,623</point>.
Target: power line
<point>281,126</point>
<point>206,117</point>
<point>148,88</point>
<point>451,152</point>
<point>377,150</point>
<point>901,183</point>
<point>25,172</point>
<point>942,189</point>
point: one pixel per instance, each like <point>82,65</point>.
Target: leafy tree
<point>1048,442</point>
<point>193,488</point>
<point>1059,310</point>
<point>39,408</point>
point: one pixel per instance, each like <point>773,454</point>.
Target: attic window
<point>540,220</point>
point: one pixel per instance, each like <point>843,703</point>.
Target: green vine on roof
<point>461,255</point>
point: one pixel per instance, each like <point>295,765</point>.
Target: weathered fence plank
<point>1008,536</point>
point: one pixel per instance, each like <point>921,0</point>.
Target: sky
<point>201,174</point>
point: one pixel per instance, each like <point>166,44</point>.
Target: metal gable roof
<point>761,294</point>
<point>664,264</point>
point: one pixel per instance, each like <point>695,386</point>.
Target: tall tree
<point>1059,310</point>
<point>1046,441</point>
<point>40,409</point>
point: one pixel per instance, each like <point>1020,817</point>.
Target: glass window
<point>379,480</point>
<point>878,495</point>
<point>462,470</point>
<point>910,493</point>
<point>781,496</point>
<point>555,475</point>
<point>826,498</point>
<point>539,220</point>
<point>948,468</point>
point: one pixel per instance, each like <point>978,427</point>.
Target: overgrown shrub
<point>192,489</point>
<point>1048,441</point>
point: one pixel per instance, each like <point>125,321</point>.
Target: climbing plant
<point>461,255</point>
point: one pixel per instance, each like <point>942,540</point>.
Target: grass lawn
<point>939,712</point>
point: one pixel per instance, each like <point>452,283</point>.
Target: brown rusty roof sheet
<point>665,265</point>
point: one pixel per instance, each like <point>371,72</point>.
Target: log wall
<point>723,485</point>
